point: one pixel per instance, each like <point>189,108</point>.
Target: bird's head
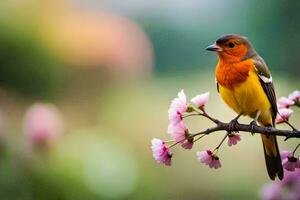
<point>232,48</point>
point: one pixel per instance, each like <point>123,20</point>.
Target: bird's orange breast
<point>231,74</point>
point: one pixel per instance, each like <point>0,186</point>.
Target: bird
<point>245,84</point>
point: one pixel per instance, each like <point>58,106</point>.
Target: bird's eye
<point>231,44</point>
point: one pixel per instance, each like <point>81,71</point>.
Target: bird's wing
<point>266,82</point>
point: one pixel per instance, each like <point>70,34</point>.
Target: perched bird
<point>245,84</point>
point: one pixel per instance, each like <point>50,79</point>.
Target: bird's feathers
<point>266,82</point>
<point>273,160</point>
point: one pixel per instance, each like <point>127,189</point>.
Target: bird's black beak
<point>214,47</point>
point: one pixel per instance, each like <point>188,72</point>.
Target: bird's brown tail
<point>272,156</point>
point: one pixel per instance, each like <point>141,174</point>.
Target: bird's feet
<point>232,125</point>
<point>253,124</point>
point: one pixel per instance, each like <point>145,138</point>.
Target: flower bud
<point>43,124</point>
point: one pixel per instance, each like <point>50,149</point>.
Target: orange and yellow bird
<point>245,84</point>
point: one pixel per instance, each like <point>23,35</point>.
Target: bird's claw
<point>253,124</point>
<point>232,125</point>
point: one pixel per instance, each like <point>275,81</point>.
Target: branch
<point>250,128</point>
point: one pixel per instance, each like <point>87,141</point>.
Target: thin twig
<point>199,138</point>
<point>204,114</point>
<point>290,125</point>
<point>194,114</point>
<point>296,149</point>
<point>217,148</point>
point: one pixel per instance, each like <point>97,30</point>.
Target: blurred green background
<point>112,67</point>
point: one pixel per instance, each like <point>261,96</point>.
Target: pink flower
<point>271,191</point>
<point>283,115</point>
<point>233,139</point>
<point>161,152</point>
<point>200,100</point>
<point>205,156</point>
<point>291,177</point>
<point>285,154</point>
<point>43,124</point>
<point>294,194</point>
<point>187,144</point>
<point>284,102</point>
<point>289,162</point>
<point>179,104</point>
<point>178,132</point>
<point>295,96</point>
<point>215,163</point>
<point>287,189</point>
<point>177,108</point>
<point>208,158</point>
<point>174,117</point>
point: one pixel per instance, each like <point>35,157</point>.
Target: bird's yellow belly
<point>247,97</point>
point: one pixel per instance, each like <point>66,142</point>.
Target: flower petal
<point>285,102</point>
<point>283,115</point>
<point>200,100</point>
